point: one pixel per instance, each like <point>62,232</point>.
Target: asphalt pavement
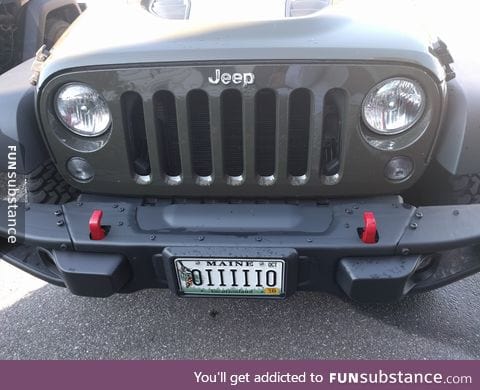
<point>40,321</point>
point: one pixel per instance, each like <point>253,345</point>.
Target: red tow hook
<point>97,232</point>
<point>369,233</point>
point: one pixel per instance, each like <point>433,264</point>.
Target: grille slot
<point>265,127</point>
<point>166,126</point>
<point>232,132</point>
<point>199,126</point>
<point>134,124</point>
<point>334,104</point>
<point>298,132</point>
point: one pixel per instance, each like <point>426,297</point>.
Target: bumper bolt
<point>63,247</point>
<point>122,209</point>
<point>414,226</point>
<point>349,211</point>
<point>115,206</point>
<point>405,251</point>
<point>120,223</point>
<point>153,237</point>
<point>58,212</point>
<point>456,213</point>
<point>79,204</point>
<point>60,222</point>
<point>309,240</point>
<point>258,239</point>
<point>201,238</point>
<point>419,215</point>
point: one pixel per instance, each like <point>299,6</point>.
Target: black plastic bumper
<point>417,249</point>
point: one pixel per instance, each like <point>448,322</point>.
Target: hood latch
<point>42,54</point>
<point>440,50</point>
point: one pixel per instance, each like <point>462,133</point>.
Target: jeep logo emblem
<point>228,78</point>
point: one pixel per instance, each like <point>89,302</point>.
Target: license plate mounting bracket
<point>288,256</point>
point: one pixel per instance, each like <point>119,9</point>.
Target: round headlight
<point>393,106</point>
<point>82,110</point>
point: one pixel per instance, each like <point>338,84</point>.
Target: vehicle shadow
<point>50,323</point>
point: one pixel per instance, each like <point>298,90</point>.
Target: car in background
<point>26,25</point>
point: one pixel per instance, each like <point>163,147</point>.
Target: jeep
<point>244,152</point>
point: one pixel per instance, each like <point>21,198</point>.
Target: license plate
<point>231,277</point>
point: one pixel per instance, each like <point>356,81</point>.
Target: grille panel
<point>337,160</point>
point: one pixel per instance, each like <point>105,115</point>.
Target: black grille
<point>298,132</point>
<point>232,132</point>
<point>134,124</point>
<point>199,123</point>
<point>265,137</point>
<point>166,125</point>
<point>265,126</point>
<point>332,124</point>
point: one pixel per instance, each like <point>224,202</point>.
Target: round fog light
<point>399,169</point>
<point>80,169</point>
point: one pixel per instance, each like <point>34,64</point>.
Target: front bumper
<point>418,248</point>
